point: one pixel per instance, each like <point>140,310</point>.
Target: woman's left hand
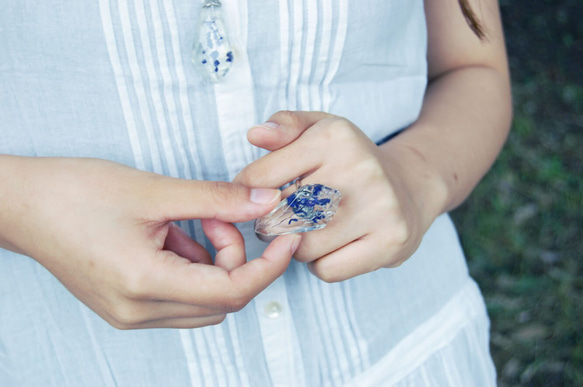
<point>383,213</point>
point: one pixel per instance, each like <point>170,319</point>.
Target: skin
<point>393,193</point>
<point>112,243</point>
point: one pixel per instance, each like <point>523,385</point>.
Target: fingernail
<point>270,125</point>
<point>264,195</point>
<point>295,243</point>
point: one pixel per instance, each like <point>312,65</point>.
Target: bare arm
<point>467,108</point>
<point>104,230</point>
<point>425,171</point>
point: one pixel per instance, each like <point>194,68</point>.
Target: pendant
<point>309,208</point>
<point>212,52</point>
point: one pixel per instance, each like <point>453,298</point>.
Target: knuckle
<point>298,256</point>
<point>116,324</point>
<point>324,274</point>
<point>124,317</point>
<point>218,319</point>
<point>306,246</point>
<point>246,176</point>
<point>135,285</point>
<point>287,118</point>
<point>223,192</point>
<point>328,277</point>
<point>368,170</point>
<point>339,129</point>
<point>400,233</point>
<point>120,326</point>
<point>254,174</point>
<point>373,169</point>
<point>236,301</point>
<point>393,263</point>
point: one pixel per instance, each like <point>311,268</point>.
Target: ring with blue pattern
<point>309,208</point>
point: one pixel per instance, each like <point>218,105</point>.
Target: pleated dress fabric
<point>113,79</point>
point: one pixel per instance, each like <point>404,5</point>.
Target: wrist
<point>11,194</point>
<point>408,165</point>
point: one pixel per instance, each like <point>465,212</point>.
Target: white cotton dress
<point>113,79</point>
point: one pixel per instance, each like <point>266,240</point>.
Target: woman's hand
<point>385,208</point>
<point>104,231</point>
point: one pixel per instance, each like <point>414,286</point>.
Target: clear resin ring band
<point>309,208</point>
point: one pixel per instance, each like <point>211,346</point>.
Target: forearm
<point>463,124</point>
<point>10,191</point>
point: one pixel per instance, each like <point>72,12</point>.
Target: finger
<point>283,128</point>
<point>159,310</point>
<point>306,154</point>
<point>178,199</point>
<point>350,261</point>
<point>180,243</point>
<point>266,269</point>
<point>337,234</point>
<point>175,279</point>
<point>133,313</point>
<point>297,159</point>
<point>228,241</point>
<point>349,223</point>
<point>179,323</point>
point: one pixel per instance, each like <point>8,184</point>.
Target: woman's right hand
<point>104,230</point>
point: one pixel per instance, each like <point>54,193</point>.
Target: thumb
<point>179,199</point>
<point>283,128</point>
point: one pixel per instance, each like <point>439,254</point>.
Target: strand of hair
<point>472,19</point>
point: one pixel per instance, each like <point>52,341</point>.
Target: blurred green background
<point>522,227</point>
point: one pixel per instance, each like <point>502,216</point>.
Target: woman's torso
<point>113,79</point>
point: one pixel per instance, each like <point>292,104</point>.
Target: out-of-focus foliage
<point>522,228</point>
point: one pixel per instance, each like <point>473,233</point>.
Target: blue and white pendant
<point>212,51</point>
<point>309,208</point>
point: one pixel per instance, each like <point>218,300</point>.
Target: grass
<point>522,227</point>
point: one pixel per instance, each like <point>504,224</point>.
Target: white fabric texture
<point>112,79</point>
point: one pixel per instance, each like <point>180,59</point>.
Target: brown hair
<point>471,19</point>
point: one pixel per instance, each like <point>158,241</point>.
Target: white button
<point>273,309</point>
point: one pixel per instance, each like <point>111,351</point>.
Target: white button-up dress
<point>113,79</point>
